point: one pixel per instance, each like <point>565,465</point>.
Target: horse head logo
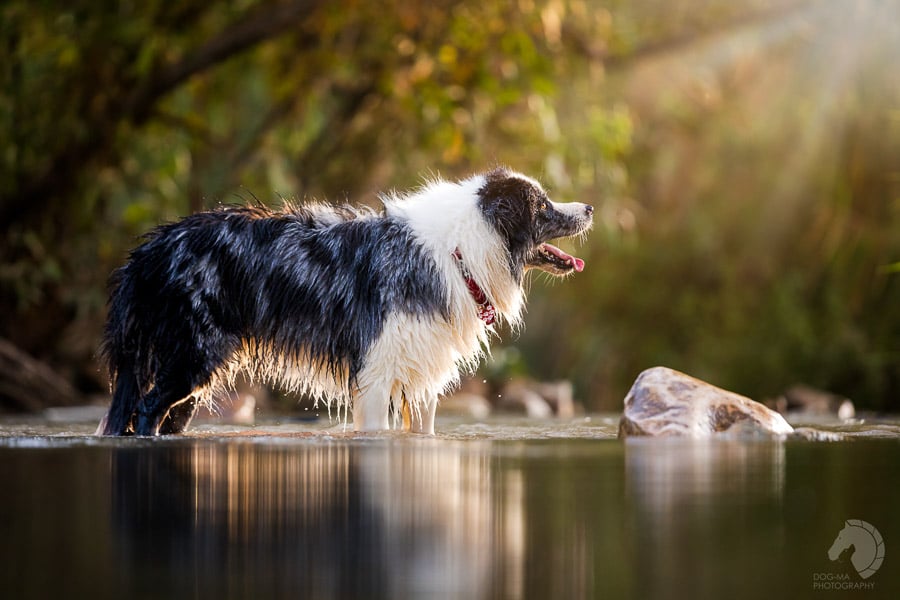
<point>868,547</point>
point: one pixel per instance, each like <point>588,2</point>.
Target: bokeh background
<point>743,156</point>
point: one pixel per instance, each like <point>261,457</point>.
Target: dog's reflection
<point>312,520</point>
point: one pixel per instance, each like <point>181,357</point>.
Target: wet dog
<point>375,313</point>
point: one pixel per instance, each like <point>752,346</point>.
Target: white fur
<point>573,209</point>
<point>418,358</point>
<point>445,216</point>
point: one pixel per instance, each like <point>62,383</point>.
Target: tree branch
<point>27,384</point>
<point>249,30</point>
<point>38,189</point>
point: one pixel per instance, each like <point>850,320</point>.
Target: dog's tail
<point>121,350</point>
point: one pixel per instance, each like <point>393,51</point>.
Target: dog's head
<point>519,209</point>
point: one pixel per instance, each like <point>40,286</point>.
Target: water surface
<point>504,509</point>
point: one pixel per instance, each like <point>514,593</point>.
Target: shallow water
<point>508,508</point>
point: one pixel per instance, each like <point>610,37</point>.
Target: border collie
<point>369,312</point>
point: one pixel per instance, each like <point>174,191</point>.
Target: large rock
<point>665,402</point>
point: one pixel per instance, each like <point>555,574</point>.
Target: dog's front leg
<point>370,407</point>
<point>422,419</point>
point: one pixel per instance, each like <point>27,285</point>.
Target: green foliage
<point>757,252</point>
<point>741,155</point>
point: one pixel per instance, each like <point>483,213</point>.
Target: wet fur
<point>362,310</point>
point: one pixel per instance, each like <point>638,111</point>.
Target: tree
<point>758,260</point>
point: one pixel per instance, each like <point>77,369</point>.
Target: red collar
<point>486,310</point>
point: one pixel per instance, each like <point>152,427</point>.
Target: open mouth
<point>548,257</point>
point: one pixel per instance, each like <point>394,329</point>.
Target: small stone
<point>233,407</point>
<point>465,404</point>
<point>559,395</point>
<point>816,435</point>
<point>665,402</point>
<point>520,397</point>
<point>809,401</point>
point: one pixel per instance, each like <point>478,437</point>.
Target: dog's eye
<point>543,206</point>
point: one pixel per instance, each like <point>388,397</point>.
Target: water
<point>506,509</point>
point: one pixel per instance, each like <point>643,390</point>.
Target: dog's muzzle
<point>560,221</point>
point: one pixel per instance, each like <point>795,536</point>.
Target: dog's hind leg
<point>126,397</point>
<point>188,368</point>
<point>173,386</point>
<point>156,403</point>
<point>179,416</point>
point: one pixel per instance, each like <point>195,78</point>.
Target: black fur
<point>297,287</point>
<point>524,215</point>
<point>198,289</point>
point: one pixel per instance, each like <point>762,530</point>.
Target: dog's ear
<point>507,203</point>
<point>507,197</point>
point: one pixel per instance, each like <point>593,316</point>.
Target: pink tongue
<point>579,264</point>
<point>576,263</point>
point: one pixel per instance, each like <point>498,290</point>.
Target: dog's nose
<point>588,209</point>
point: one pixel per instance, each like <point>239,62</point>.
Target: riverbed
<point>507,508</point>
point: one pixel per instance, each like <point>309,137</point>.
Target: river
<point>510,508</point>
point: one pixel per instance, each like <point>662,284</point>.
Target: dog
<point>369,312</point>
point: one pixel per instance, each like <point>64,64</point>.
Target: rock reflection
<point>700,508</point>
<point>364,520</point>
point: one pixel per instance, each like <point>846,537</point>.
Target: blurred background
<point>743,156</point>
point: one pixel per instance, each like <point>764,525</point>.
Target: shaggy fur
<point>369,312</point>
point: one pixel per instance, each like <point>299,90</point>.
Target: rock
<point>806,400</point>
<point>465,404</point>
<point>233,407</point>
<point>86,413</point>
<point>665,402</point>
<point>816,435</point>
<point>538,399</point>
<point>519,397</point>
<point>559,395</point>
